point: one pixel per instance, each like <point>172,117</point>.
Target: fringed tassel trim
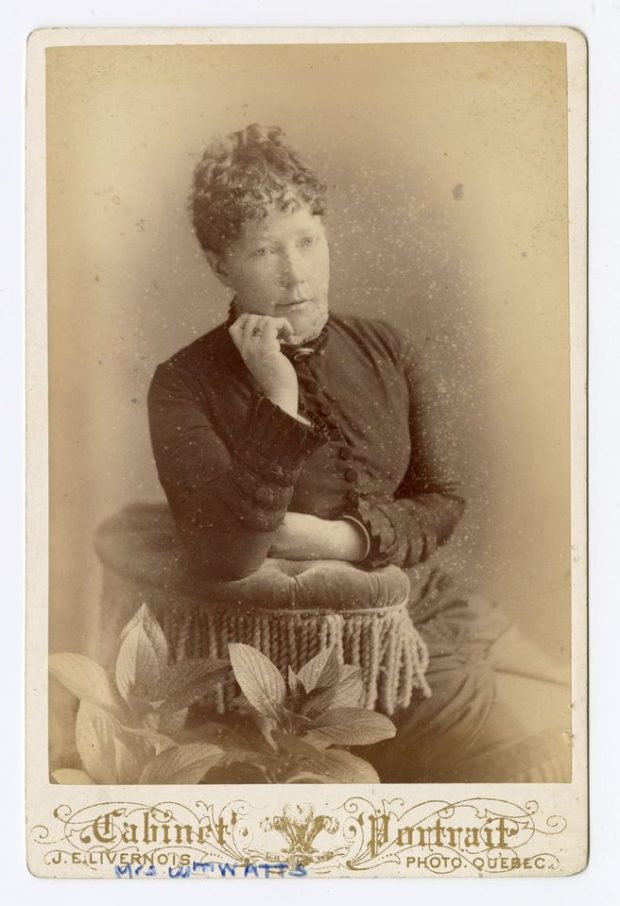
<point>384,643</point>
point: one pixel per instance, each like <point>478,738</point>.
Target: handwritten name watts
<point>175,865</point>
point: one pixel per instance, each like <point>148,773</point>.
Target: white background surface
<point>600,21</point>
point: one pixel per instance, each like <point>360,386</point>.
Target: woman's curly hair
<point>244,174</point>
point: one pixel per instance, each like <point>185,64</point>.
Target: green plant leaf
<point>293,681</point>
<point>306,777</point>
<point>84,678</point>
<point>299,755</point>
<point>127,766</point>
<point>245,746</point>
<point>186,682</point>
<point>219,734</point>
<point>350,726</point>
<point>182,764</point>
<point>147,743</point>
<point>301,748</point>
<point>95,732</point>
<point>346,693</point>
<point>71,775</point>
<point>261,682</point>
<point>235,733</point>
<point>140,709</point>
<point>347,768</point>
<point>313,765</point>
<point>347,670</point>
<point>247,756</point>
<point>308,764</point>
<point>317,701</point>
<point>172,724</point>
<point>321,670</point>
<point>235,773</point>
<point>151,627</point>
<point>294,722</point>
<point>139,662</point>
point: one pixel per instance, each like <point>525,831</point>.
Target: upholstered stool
<point>289,610</point>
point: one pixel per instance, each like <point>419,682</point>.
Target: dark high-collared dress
<point>375,450</point>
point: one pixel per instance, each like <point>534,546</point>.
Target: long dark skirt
<point>465,732</point>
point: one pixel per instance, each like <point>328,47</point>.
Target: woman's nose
<point>292,271</point>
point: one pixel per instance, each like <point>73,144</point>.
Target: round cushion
<point>140,544</point>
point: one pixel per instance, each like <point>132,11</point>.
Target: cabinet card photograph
<point>306,453</point>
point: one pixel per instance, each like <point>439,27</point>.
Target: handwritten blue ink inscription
<point>215,869</point>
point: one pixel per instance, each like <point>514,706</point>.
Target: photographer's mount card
<point>306,453</point>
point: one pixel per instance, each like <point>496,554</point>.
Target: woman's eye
<point>261,252</point>
<point>306,241</point>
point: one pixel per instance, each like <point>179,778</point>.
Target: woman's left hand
<point>305,537</point>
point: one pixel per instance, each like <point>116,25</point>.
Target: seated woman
<point>294,433</point>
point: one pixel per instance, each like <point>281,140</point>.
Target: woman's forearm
<point>227,503</point>
<point>305,537</point>
<point>221,548</point>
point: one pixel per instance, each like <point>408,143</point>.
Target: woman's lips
<point>296,304</point>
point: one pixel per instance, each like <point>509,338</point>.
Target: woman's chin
<point>306,328</point>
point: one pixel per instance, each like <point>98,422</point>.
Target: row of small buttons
<point>262,495</point>
<point>344,452</point>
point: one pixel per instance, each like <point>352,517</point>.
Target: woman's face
<point>279,266</point>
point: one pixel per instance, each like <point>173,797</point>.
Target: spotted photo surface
<point>307,453</point>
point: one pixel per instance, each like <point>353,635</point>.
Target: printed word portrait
<point>309,414</point>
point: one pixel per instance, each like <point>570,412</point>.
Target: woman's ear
<point>218,266</point>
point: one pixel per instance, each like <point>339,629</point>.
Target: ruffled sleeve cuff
<point>380,532</point>
<point>267,462</point>
<point>274,443</point>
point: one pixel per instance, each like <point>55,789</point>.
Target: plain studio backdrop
<point>446,165</point>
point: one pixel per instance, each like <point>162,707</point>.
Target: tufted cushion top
<point>140,544</point>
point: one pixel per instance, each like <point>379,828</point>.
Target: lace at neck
<point>299,353</point>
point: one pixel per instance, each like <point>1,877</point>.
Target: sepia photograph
<point>314,458</point>
<point>298,340</point>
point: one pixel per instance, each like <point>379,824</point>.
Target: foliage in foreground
<point>131,724</point>
<point>128,724</point>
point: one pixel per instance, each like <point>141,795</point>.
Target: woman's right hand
<point>257,337</point>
